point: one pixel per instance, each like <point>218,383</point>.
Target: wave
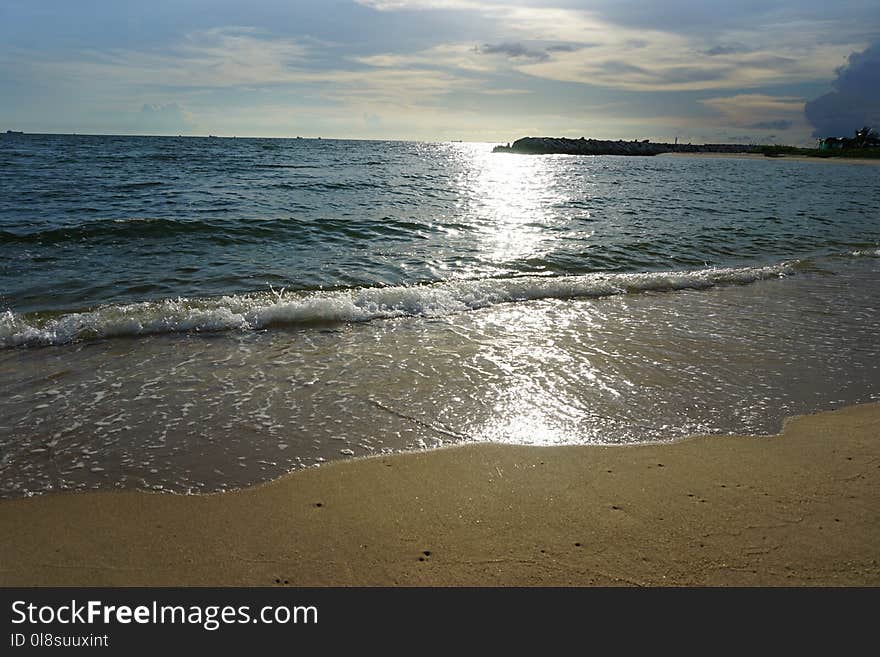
<point>114,230</point>
<point>224,231</point>
<point>133,227</point>
<point>866,253</point>
<point>273,308</point>
<point>139,185</point>
<point>286,166</point>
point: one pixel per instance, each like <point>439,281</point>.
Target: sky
<point>759,71</point>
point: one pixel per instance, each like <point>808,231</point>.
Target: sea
<point>194,315</point>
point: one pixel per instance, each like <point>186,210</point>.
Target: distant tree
<point>867,136</point>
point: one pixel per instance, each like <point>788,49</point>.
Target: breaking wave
<point>274,308</point>
<point>866,253</point>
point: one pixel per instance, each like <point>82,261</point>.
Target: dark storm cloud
<point>855,101</point>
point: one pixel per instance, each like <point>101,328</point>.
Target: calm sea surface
<point>197,314</point>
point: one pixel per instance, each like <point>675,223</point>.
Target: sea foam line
<point>261,310</point>
<point>866,253</point>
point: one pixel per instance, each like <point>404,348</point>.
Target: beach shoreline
<point>794,509</point>
<point>783,157</point>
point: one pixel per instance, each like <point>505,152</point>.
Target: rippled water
<point>198,314</point>
<point>100,220</point>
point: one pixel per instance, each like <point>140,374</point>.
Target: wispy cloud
<point>614,68</point>
<point>778,124</point>
<point>730,49</point>
<point>245,58</point>
<point>668,62</point>
<point>514,51</point>
<point>218,57</point>
<point>645,58</point>
<point>396,5</point>
<point>760,112</point>
<point>158,117</point>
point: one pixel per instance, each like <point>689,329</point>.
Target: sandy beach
<point>438,294</point>
<point>786,158</point>
<point>795,509</point>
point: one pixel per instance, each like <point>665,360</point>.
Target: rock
<point>583,146</point>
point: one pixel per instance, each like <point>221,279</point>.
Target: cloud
<point>742,106</point>
<point>852,20</point>
<point>245,60</point>
<point>400,87</point>
<point>449,59</point>
<point>217,57</point>
<point>855,100</point>
<point>167,118</point>
<point>778,124</point>
<point>732,49</point>
<point>682,45</point>
<point>761,112</point>
<point>533,65</point>
<point>396,5</point>
<point>521,51</point>
<point>514,51</point>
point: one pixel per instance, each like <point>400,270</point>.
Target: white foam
<point>255,311</point>
<point>866,253</point>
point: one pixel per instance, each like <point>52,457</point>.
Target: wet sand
<point>784,158</point>
<point>797,509</point>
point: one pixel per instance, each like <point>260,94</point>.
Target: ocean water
<point>200,314</point>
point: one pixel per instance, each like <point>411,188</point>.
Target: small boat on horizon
<point>14,132</point>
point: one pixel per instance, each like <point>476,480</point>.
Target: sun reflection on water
<point>511,201</point>
<point>514,203</point>
<point>541,367</point>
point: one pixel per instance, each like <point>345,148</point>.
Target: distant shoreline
<point>584,146</point>
<point>785,158</point>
